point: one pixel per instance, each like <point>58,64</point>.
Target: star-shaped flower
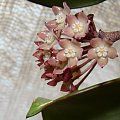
<point>60,17</point>
<point>77,25</point>
<point>71,52</point>
<point>48,39</point>
<point>101,51</point>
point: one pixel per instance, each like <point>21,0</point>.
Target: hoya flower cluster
<point>70,47</point>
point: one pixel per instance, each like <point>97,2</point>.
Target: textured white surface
<point>20,81</point>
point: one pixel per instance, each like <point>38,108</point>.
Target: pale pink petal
<point>58,71</point>
<point>51,24</point>
<point>77,48</point>
<point>64,43</point>
<point>68,31</point>
<point>49,75</point>
<point>44,46</point>
<point>42,66</point>
<point>96,42</point>
<point>86,27</point>
<point>60,26</point>
<point>102,61</point>
<point>56,33</point>
<point>80,35</point>
<point>72,62</point>
<point>56,9</point>
<point>74,41</point>
<point>66,8</point>
<point>61,56</point>
<point>42,34</point>
<point>92,54</point>
<point>107,42</point>
<point>71,19</point>
<point>37,54</point>
<point>52,61</point>
<point>56,46</point>
<point>82,17</point>
<point>79,52</point>
<point>38,42</point>
<point>112,53</point>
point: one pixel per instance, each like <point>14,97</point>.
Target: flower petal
<point>92,54</point>
<point>38,42</point>
<point>52,83</point>
<point>65,87</point>
<point>51,24</point>
<point>68,31</point>
<point>58,71</point>
<point>50,75</point>
<point>61,56</point>
<point>60,26</point>
<point>42,34</point>
<point>71,19</point>
<point>56,46</point>
<point>67,75</point>
<point>112,53</point>
<point>82,17</point>
<point>80,35</point>
<point>72,62</point>
<point>56,9</point>
<point>37,54</point>
<point>52,61</point>
<point>73,88</point>
<point>44,46</point>
<point>79,52</point>
<point>102,61</point>
<point>64,43</point>
<point>96,42</point>
<point>66,8</point>
<point>78,49</point>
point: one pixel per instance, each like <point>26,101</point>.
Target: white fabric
<point>20,81</point>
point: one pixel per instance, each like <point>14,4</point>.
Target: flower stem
<point>86,48</point>
<point>83,57</point>
<point>83,64</point>
<point>79,75</point>
<point>91,68</point>
<point>80,66</point>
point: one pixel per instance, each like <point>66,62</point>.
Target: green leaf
<point>71,3</point>
<point>37,106</point>
<point>99,102</point>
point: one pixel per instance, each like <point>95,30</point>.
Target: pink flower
<point>77,25</point>
<point>39,55</point>
<point>101,51</point>
<point>71,52</point>
<point>59,66</point>
<point>60,14</point>
<point>42,56</point>
<point>48,38</point>
<point>48,71</point>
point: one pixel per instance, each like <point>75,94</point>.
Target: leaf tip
<point>37,106</point>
